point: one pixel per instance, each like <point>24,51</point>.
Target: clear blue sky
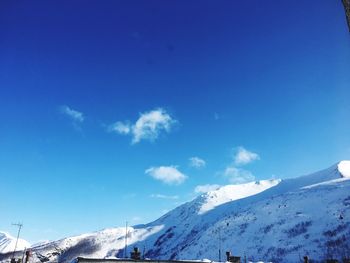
<point>103,103</point>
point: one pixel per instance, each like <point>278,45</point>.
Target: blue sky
<point>117,111</point>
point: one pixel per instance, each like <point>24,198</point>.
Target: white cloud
<point>206,188</point>
<point>243,156</point>
<point>120,127</point>
<point>197,162</point>
<point>167,174</point>
<point>237,175</point>
<point>73,114</point>
<point>161,196</point>
<point>147,127</point>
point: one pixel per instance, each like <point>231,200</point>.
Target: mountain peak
<point>344,168</point>
<point>7,243</point>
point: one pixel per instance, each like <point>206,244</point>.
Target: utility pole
<point>126,240</point>
<point>219,244</point>
<point>19,225</point>
<point>143,251</point>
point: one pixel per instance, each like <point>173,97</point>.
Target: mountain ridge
<point>268,224</point>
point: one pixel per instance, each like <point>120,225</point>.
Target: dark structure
<point>232,259</point>
<point>104,260</point>
<point>136,254</point>
<point>28,255</point>
<point>346,4</point>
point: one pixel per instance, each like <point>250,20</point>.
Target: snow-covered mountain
<point>275,220</point>
<point>7,243</point>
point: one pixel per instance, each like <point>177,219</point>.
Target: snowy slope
<point>279,223</point>
<point>103,243</point>
<point>229,193</point>
<point>312,222</point>
<point>7,243</point>
<point>344,168</point>
<point>276,220</point>
<point>111,242</point>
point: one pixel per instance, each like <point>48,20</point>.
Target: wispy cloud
<point>167,174</point>
<point>238,175</point>
<point>129,196</point>
<point>73,114</point>
<point>136,219</point>
<point>234,171</point>
<point>243,156</point>
<point>122,128</point>
<point>147,127</point>
<point>216,116</point>
<point>206,188</point>
<point>197,162</point>
<point>161,196</point>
